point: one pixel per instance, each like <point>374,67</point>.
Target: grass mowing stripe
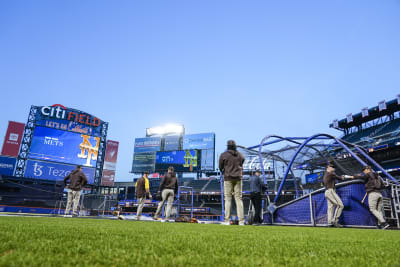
<point>65,241</point>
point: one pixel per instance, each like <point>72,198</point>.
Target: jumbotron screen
<point>65,147</point>
<point>181,160</point>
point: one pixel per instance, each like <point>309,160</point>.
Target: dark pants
<point>256,200</point>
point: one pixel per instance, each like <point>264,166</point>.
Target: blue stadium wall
<point>298,212</point>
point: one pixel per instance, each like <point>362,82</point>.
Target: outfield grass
<point>68,241</point>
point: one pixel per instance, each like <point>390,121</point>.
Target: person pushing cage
<point>373,186</point>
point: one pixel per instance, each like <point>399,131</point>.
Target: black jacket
<point>169,181</point>
<point>372,181</point>
<point>77,180</point>
<point>329,180</point>
<point>231,165</point>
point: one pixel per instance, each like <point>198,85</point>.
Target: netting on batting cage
<point>312,209</point>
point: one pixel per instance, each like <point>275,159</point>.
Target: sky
<point>241,69</point>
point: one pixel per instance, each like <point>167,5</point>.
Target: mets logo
<point>88,151</point>
<point>190,160</point>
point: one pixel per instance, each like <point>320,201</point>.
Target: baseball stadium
<point>294,231</point>
<point>200,133</point>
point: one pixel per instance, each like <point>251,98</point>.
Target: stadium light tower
<point>163,131</point>
<point>177,129</point>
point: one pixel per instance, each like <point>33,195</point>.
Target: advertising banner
<point>110,163</point>
<point>181,160</point>
<point>54,171</point>
<point>252,163</point>
<point>314,177</point>
<point>171,143</point>
<point>364,112</point>
<point>144,162</point>
<point>13,138</point>
<point>199,141</point>
<point>68,126</point>
<point>65,147</point>
<point>108,178</point>
<point>349,117</point>
<point>111,155</point>
<point>7,165</point>
<point>382,105</point>
<point>149,144</point>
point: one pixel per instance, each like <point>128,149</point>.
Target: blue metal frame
<point>280,139</point>
<point>345,147</point>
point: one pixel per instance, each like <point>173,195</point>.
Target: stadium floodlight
<point>155,131</point>
<point>174,129</point>
<point>166,129</point>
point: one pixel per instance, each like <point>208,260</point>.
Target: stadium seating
<point>29,192</point>
<point>378,133</point>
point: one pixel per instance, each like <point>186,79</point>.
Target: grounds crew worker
<point>142,189</point>
<point>231,165</point>
<point>77,180</point>
<point>332,198</point>
<point>373,185</point>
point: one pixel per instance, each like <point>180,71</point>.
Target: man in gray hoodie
<point>231,165</point>
<point>77,179</point>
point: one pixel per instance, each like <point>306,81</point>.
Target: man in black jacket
<point>373,186</point>
<point>168,189</point>
<point>77,181</point>
<point>335,204</point>
<point>257,188</point>
<point>231,165</point>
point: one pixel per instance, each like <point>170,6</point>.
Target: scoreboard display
<point>181,160</point>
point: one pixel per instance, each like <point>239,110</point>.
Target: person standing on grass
<point>231,165</point>
<point>168,189</point>
<point>77,180</point>
<point>142,189</point>
<point>335,204</point>
<point>373,186</point>
<point>257,187</point>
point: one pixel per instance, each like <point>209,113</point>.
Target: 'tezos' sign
<point>60,112</point>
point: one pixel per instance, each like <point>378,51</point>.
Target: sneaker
<point>155,218</point>
<point>385,226</point>
<point>337,225</point>
<point>241,223</point>
<point>225,223</point>
<point>138,218</point>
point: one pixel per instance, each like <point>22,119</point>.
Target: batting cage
<point>294,158</point>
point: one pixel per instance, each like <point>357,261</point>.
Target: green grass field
<point>26,241</point>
